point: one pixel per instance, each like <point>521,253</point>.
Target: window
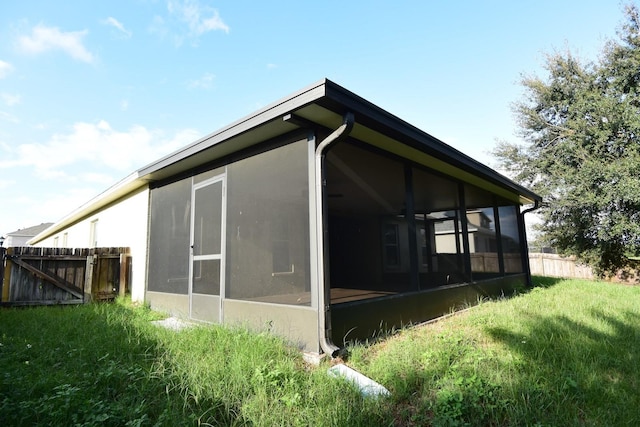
<point>93,234</point>
<point>391,247</point>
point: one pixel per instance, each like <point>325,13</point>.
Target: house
<point>22,236</point>
<point>316,217</point>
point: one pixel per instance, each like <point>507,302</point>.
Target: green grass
<point>565,353</point>
<point>106,364</point>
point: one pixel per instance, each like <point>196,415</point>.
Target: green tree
<point>581,150</point>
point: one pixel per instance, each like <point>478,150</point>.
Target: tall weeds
<point>563,353</point>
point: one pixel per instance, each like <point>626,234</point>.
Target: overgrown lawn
<point>564,353</point>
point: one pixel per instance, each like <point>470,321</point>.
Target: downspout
<point>536,205</point>
<point>322,230</point>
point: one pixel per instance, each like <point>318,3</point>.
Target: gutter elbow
<point>536,205</point>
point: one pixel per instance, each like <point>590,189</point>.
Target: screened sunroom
<point>417,240</point>
<point>324,218</point>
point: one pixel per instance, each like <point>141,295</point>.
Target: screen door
<point>207,250</point>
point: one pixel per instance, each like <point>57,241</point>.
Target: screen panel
<point>169,230</point>
<point>268,226</point>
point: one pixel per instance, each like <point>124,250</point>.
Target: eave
<point>321,104</point>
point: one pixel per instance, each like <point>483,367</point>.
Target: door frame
<point>222,256</point>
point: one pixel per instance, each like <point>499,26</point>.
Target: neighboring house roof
<point>320,105</point>
<point>30,231</point>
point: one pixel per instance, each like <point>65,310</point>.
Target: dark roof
<point>323,104</point>
<point>30,231</point>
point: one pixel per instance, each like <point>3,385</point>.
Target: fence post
<point>2,251</point>
<point>123,275</point>
<point>6,277</point>
<point>88,278</point>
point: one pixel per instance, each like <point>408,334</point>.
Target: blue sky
<point>91,91</point>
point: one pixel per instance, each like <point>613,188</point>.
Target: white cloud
<point>98,178</point>
<point>8,117</point>
<point>5,69</point>
<point>43,39</point>
<point>55,205</point>
<point>158,26</point>
<point>204,82</point>
<point>124,105</point>
<point>94,146</point>
<point>6,183</point>
<point>193,14</point>
<point>271,66</point>
<point>197,18</point>
<point>118,26</point>
<point>9,99</point>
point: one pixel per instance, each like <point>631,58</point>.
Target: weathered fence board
<point>77,292</point>
<point>554,265</point>
<point>44,276</point>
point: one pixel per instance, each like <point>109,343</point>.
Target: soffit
<point>331,120</point>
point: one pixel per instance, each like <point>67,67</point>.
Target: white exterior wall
<point>123,223</point>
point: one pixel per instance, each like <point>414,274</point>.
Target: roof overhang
<point>322,104</point>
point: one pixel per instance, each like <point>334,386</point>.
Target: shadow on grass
<point>545,281</point>
<point>83,365</point>
<point>106,364</point>
<point>578,372</point>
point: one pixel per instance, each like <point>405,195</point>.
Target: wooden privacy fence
<point>554,265</point>
<point>45,276</point>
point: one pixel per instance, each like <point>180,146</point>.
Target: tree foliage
<point>581,150</point>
